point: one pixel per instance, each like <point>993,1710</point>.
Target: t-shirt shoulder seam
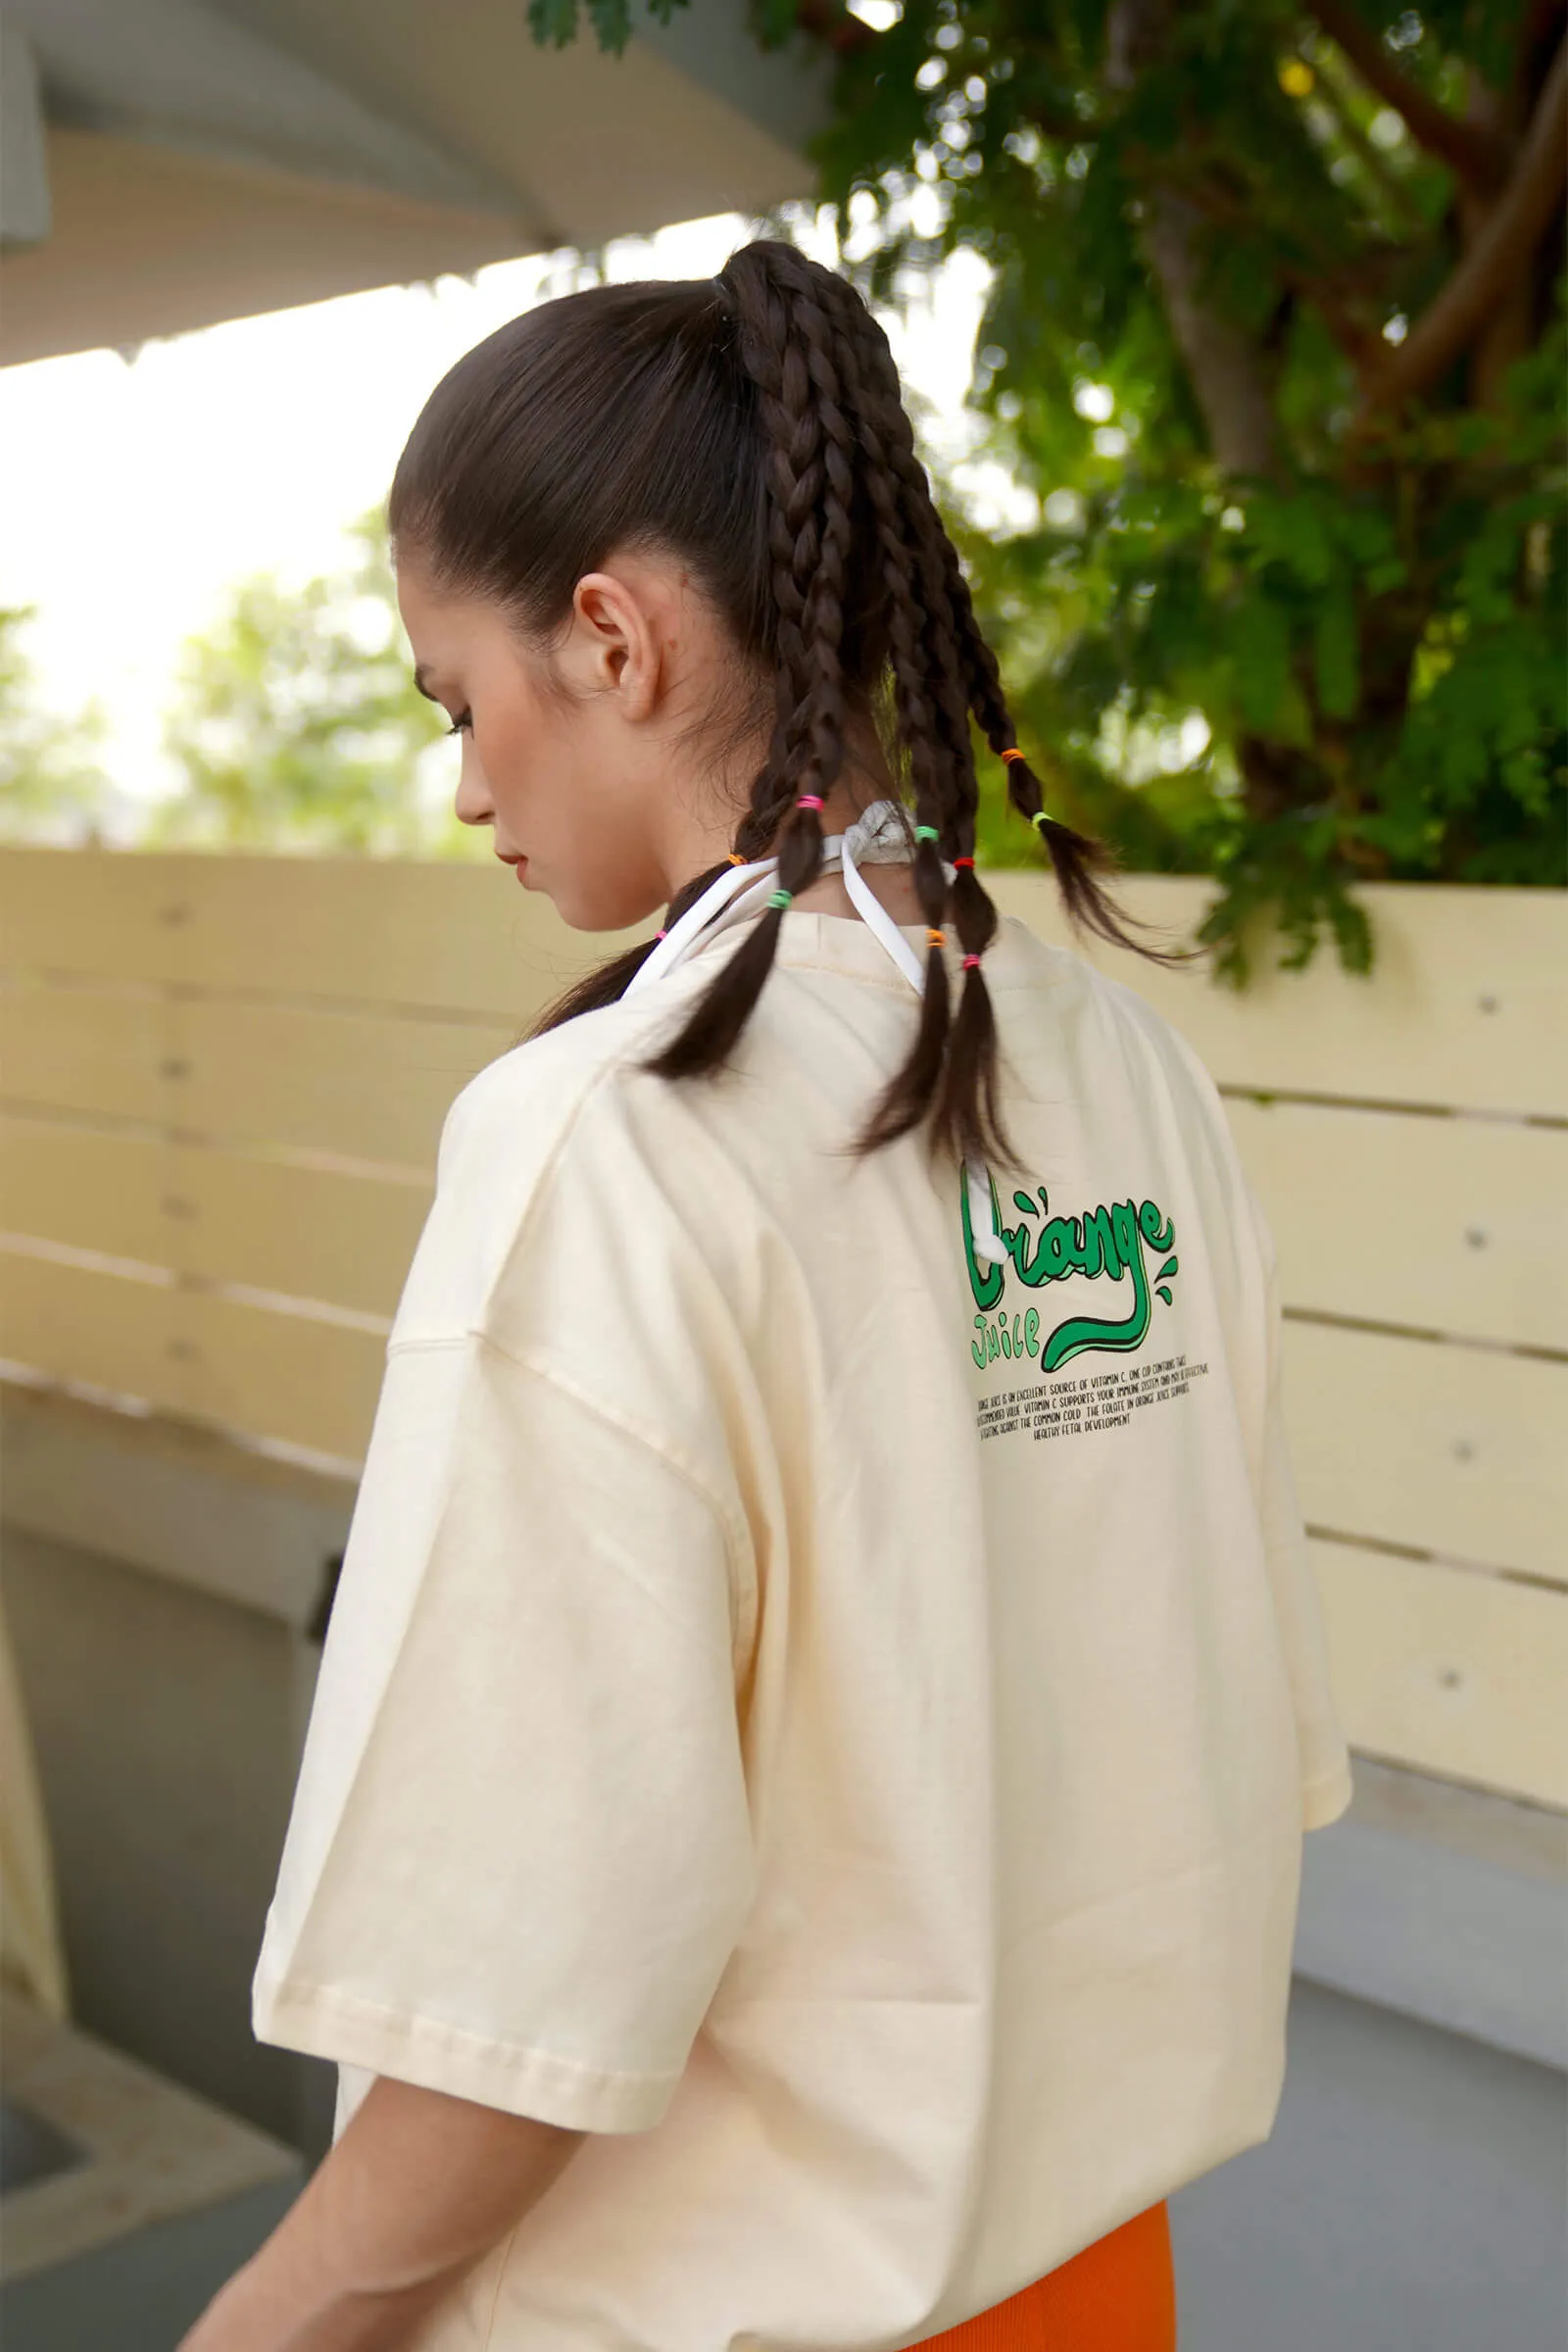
<point>612,1063</point>
<point>742,1598</point>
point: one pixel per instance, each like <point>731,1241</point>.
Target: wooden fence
<point>223,1079</point>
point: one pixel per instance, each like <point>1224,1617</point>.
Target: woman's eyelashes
<point>462,723</point>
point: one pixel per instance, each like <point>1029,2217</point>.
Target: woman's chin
<point>601,913</point>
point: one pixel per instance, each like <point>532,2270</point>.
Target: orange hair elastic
<point>736,859</point>
<point>934,938</point>
<point>1014,754</point>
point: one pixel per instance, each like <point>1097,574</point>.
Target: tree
<point>52,788</point>
<point>298,724</point>
<point>1276,338</point>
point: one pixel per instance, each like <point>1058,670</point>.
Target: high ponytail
<point>753,426</point>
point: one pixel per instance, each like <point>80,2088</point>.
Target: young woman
<point>799,1836</point>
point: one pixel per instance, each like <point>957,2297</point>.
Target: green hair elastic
<point>781,897</point>
<point>927,833</point>
<point>1040,818</point>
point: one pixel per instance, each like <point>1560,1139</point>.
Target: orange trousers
<point>1118,2295</point>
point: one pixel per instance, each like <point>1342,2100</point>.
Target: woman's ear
<point>619,641</point>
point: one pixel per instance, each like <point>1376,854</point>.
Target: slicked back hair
<point>753,426</point>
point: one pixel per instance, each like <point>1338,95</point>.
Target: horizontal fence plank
<point>1462,1010</point>
<point>88,1050</point>
<point>75,1324</point>
<point>1449,1449</point>
<point>367,1086</point>
<point>343,1237</point>
<point>1456,1675</point>
<point>96,914</point>
<point>1440,1224</point>
<point>448,934</point>
<point>292,1378</point>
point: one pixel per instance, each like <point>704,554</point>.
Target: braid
<point>965,1094</point>
<point>973,670</point>
<point>908,1098</point>
<point>856,580</point>
<point>785,347</point>
<point>967,1101</point>
<point>1077,858</point>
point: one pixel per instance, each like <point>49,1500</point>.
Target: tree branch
<point>1223,363</point>
<point>1504,246</point>
<point>1329,291</point>
<point>1481,161</point>
<point>1540,20</point>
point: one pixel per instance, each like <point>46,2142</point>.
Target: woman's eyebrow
<point>419,683</point>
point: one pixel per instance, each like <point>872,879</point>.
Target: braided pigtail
<point>1076,860</point>
<point>785,347</point>
<point>908,1098</point>
<point>967,1108</point>
<point>963,1099</point>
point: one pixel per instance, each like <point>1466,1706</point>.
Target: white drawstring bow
<point>879,836</point>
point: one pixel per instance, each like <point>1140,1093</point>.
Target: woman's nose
<point>472,804</point>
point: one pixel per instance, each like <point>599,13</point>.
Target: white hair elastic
<point>879,836</point>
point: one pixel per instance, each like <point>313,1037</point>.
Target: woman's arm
<point>418,2188</point>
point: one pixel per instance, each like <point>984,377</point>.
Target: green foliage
<point>1315,648</point>
<point>1378,663</point>
<point>554,23</point>
<point>51,786</point>
<point>298,723</point>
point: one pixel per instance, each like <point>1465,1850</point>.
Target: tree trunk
<point>1506,334</point>
<point>1225,366</point>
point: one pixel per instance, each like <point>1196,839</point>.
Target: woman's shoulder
<point>527,1097</point>
<point>1091,1010</point>
<point>536,1132</point>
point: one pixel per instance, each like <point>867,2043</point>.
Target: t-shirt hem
<point>439,2056</point>
<point>1327,1797</point>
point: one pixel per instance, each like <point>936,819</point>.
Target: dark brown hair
<point>752,425</point>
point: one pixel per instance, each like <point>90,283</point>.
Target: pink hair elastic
<point>662,935</point>
<point>810,800</point>
<point>969,962</point>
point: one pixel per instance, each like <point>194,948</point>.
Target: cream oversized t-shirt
<point>830,1716</point>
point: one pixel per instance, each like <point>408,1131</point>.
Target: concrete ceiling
<point>166,164</point>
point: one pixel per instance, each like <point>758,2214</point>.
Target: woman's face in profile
<point>577,762</point>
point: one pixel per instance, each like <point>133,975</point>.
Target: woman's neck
<point>892,885</point>
<point>866,779</point>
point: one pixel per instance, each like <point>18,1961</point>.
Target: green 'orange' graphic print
<point>1106,1243</point>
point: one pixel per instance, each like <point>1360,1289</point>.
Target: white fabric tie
<point>879,836</point>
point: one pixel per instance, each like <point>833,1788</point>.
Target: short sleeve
<point>1326,1784</point>
<point>520,1855</point>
